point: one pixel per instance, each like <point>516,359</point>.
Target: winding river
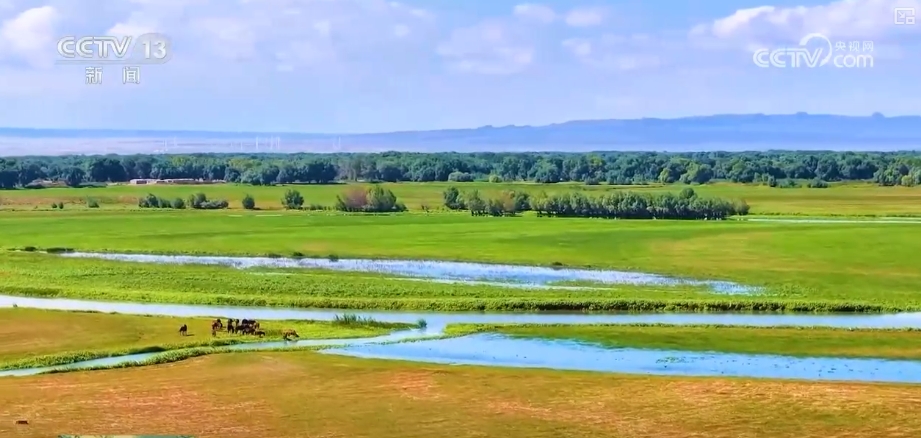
<point>500,350</point>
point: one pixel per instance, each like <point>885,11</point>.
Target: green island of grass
<point>788,341</point>
<point>37,338</point>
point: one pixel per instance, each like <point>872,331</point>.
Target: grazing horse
<point>260,333</point>
<point>217,324</point>
<point>184,330</point>
<point>288,333</point>
<point>230,327</point>
<point>248,330</point>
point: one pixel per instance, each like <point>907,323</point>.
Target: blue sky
<point>373,65</point>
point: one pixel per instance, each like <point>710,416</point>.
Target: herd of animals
<point>245,327</point>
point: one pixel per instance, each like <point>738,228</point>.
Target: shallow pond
<point>455,272</point>
<point>499,350</point>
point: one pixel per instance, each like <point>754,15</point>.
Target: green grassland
<point>788,341</point>
<point>856,263</point>
<point>839,199</point>
<point>28,274</point>
<point>32,337</point>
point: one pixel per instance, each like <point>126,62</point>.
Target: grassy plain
<point>40,337</point>
<point>846,199</point>
<point>803,265</point>
<point>305,394</point>
<point>787,341</point>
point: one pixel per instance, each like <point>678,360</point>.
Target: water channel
<point>500,350</point>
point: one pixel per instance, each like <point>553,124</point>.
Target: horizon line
<point>877,115</point>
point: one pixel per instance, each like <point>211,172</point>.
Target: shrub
<point>178,204</point>
<point>218,204</point>
<point>375,200</point>
<point>460,177</point>
<point>495,179</point>
<point>149,201</point>
<point>196,200</point>
<point>61,205</point>
<point>452,199</point>
<point>54,206</point>
<point>200,201</point>
<point>292,200</point>
<point>91,203</point>
<point>818,184</point>
<point>248,202</point>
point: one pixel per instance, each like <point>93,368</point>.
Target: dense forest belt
<point>780,168</point>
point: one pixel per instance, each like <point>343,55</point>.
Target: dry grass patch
<point>314,395</point>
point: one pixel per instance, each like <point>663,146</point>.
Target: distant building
<point>142,181</point>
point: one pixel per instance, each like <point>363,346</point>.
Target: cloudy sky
<point>373,65</point>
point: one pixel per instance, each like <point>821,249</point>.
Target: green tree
<point>452,199</point>
<point>292,200</point>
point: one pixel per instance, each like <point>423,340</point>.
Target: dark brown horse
<point>288,334</point>
<point>259,332</point>
<point>184,330</point>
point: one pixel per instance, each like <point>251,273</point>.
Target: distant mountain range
<point>718,132</point>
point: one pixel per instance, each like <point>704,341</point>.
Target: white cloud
<point>31,35</point>
<point>490,47</point>
<point>843,19</point>
<point>585,17</point>
<point>615,53</point>
<point>580,47</point>
<point>535,12</point>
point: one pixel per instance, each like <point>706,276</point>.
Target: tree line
<point>775,168</point>
<point>375,199</point>
<point>685,205</point>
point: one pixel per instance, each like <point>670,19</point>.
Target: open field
<point>802,266</point>
<point>304,394</point>
<point>30,334</point>
<point>856,263</point>
<point>787,341</point>
<point>849,199</point>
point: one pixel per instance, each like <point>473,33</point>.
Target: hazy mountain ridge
<point>717,132</point>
